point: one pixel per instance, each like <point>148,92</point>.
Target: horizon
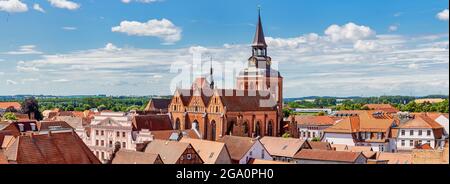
<point>80,48</point>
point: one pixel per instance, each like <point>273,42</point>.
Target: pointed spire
<point>259,40</point>
<point>212,75</point>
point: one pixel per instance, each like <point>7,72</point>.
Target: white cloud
<point>163,29</point>
<point>25,50</point>
<point>69,28</point>
<point>348,32</point>
<point>140,1</point>
<point>10,82</point>
<point>111,47</point>
<point>393,28</point>
<point>24,81</point>
<point>65,4</point>
<point>443,15</point>
<point>365,45</point>
<point>13,6</point>
<point>60,80</point>
<point>413,66</point>
<point>38,8</point>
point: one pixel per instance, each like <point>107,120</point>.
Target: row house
<point>211,152</point>
<point>310,127</point>
<point>418,131</point>
<point>363,128</point>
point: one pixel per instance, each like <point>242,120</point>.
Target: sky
<point>130,47</point>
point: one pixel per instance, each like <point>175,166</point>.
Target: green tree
<point>286,135</point>
<point>9,116</point>
<point>315,139</point>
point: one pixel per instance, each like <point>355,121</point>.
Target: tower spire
<point>259,41</point>
<point>211,75</point>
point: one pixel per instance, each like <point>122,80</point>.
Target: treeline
<point>403,103</point>
<point>101,103</point>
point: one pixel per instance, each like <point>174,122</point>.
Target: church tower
<point>259,74</point>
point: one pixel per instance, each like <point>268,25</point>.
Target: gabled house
<point>363,128</point>
<point>284,149</point>
<point>243,149</point>
<point>211,152</point>
<point>172,152</point>
<point>419,130</point>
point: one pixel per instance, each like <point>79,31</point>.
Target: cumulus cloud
<point>348,32</point>
<point>163,29</point>
<point>140,1</point>
<point>443,15</point>
<point>13,6</point>
<point>38,8</point>
<point>25,50</point>
<point>64,4</point>
<point>111,47</point>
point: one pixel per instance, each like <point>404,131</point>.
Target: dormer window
<point>21,127</point>
<point>33,126</point>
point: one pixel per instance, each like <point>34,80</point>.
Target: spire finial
<point>259,40</point>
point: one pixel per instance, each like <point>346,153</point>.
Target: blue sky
<point>395,47</point>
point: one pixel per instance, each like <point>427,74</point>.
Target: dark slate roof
<point>152,122</point>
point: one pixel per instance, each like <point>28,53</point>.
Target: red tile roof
<point>421,121</point>
<point>152,122</point>
<point>5,105</point>
<point>320,145</point>
<point>326,155</point>
<point>237,146</point>
<point>314,120</point>
<point>135,157</point>
<point>54,148</point>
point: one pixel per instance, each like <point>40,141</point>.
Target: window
<point>411,132</point>
<point>97,153</point>
<point>314,134</point>
<point>21,127</point>
<point>124,145</point>
<point>411,143</point>
<point>363,135</point>
<point>403,132</point>
<point>251,153</point>
<point>124,134</point>
<point>420,142</point>
<point>403,142</point>
<point>103,133</point>
<point>189,156</point>
<point>117,134</point>
<point>102,143</point>
<point>420,132</point>
<point>33,127</point>
<point>110,144</point>
<point>96,142</point>
<point>428,132</point>
<point>96,132</point>
<point>103,155</point>
<point>429,142</point>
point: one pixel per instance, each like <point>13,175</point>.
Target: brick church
<point>252,109</point>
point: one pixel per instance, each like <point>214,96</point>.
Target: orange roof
<point>435,115</point>
<point>395,158</point>
<point>5,105</point>
<point>327,155</point>
<point>54,148</point>
<point>421,121</point>
<point>314,120</point>
<point>362,121</point>
<point>320,145</point>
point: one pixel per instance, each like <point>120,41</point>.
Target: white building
<point>442,119</point>
<point>363,128</point>
<point>107,130</point>
<point>419,130</point>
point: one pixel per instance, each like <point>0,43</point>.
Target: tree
<point>9,116</point>
<point>316,139</point>
<point>321,113</point>
<point>286,135</point>
<point>31,107</point>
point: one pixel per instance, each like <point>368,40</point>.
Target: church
<point>252,109</point>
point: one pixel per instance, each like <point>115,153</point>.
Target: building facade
<point>254,109</point>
